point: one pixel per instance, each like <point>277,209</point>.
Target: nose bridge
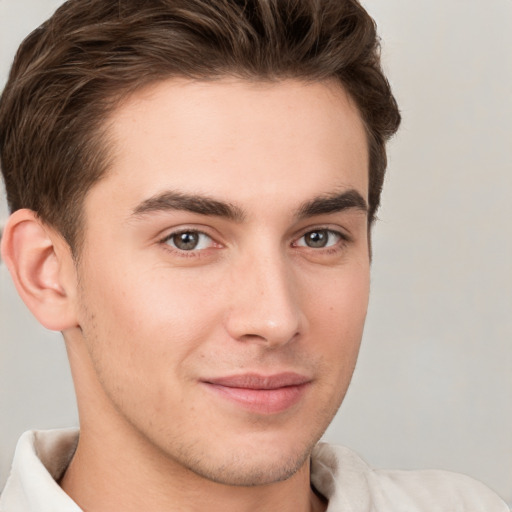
<point>264,305</point>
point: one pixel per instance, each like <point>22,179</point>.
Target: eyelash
<point>342,241</point>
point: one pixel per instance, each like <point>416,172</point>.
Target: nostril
<point>271,339</point>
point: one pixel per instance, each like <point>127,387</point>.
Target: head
<point>204,175</point>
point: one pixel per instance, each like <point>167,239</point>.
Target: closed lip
<point>261,394</point>
<point>260,382</point>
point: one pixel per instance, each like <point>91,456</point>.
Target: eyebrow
<point>333,203</point>
<point>204,205</point>
<point>200,204</point>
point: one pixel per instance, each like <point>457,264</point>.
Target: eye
<point>319,239</point>
<point>189,240</point>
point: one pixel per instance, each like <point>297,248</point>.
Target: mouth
<point>261,394</point>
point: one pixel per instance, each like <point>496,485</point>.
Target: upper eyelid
<point>185,230</point>
<point>181,231</point>
<point>167,233</point>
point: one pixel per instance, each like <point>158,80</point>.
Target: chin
<point>247,473</point>
<point>264,464</point>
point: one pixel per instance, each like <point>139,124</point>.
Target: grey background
<point>433,386</point>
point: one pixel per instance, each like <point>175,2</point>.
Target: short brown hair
<point>70,73</point>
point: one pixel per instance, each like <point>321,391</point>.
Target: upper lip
<point>257,381</point>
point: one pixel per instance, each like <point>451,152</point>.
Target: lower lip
<point>262,401</point>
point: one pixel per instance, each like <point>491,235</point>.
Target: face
<point>224,276</point>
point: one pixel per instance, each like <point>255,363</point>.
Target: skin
<point>153,326</point>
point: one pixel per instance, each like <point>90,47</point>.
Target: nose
<point>264,304</point>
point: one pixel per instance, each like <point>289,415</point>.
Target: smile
<point>261,394</point>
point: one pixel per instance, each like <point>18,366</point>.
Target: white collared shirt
<point>337,473</point>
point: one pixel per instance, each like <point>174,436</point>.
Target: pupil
<point>186,241</point>
<point>317,239</point>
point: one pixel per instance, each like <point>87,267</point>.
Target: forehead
<point>238,139</point>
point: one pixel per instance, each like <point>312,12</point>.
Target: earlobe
<point>42,269</point>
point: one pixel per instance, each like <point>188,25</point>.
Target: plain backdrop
<point>433,386</point>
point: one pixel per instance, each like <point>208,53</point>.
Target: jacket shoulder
<point>351,484</point>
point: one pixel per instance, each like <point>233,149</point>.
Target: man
<point>192,186</point>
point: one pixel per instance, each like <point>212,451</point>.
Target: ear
<point>42,268</point>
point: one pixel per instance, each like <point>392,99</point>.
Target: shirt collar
<point>40,459</point>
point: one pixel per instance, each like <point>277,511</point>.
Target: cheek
<point>143,336</point>
<point>143,300</point>
<point>138,321</point>
<point>340,298</point>
<point>337,321</point>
